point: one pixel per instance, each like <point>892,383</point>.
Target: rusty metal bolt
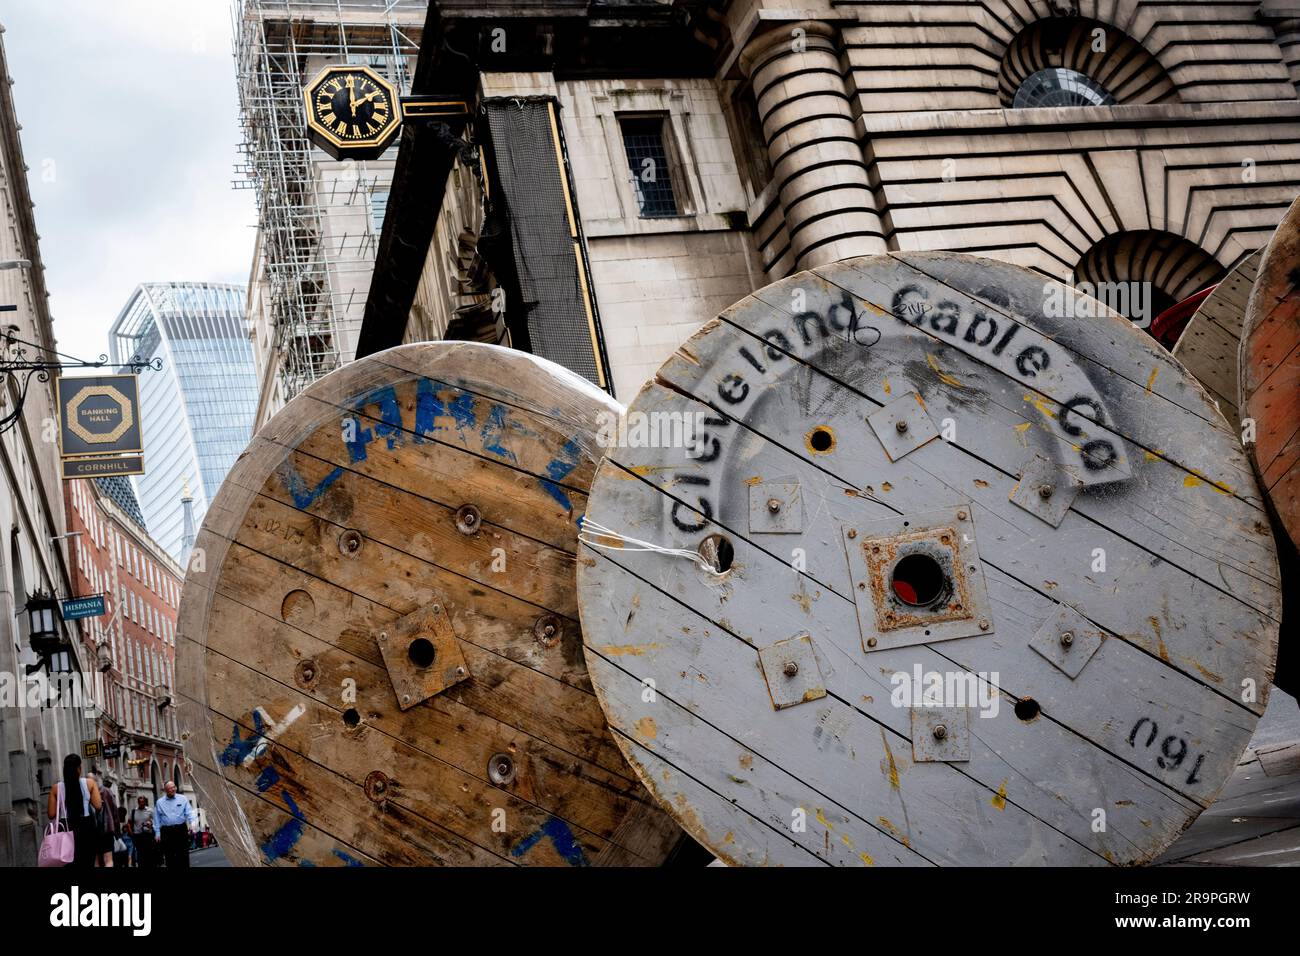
<point>871,642</point>
<point>961,516</point>
<point>940,731</point>
<point>376,786</point>
<point>791,668</point>
<point>875,549</point>
<point>383,635</point>
<point>460,672</point>
<point>305,674</point>
<point>985,625</point>
<point>350,543</point>
<point>547,630</point>
<point>1045,492</point>
<point>468,519</point>
<point>774,505</point>
<point>853,533</point>
<point>900,427</point>
<point>1067,639</point>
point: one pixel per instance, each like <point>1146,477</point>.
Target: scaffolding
<point>316,259</point>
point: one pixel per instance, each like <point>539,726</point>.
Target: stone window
<point>649,165</point>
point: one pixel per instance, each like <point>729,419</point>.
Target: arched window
<point>1142,273</point>
<point>1075,61</point>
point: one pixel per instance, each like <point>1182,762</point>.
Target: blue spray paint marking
<point>348,859</point>
<point>239,748</point>
<point>267,779</point>
<point>389,426</point>
<point>492,431</point>
<point>558,832</point>
<point>429,408</point>
<point>304,496</point>
<point>283,840</point>
<point>559,469</point>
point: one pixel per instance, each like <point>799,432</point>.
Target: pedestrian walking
<point>81,799</point>
<point>172,818</point>
<point>107,831</point>
<point>142,835</point>
<point>123,856</point>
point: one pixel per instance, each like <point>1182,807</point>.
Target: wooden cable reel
<point>1270,371</point>
<point>1269,391</point>
<point>988,579</point>
<point>380,661</point>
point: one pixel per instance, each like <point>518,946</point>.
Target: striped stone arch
<point>1174,266</point>
<point>1111,58</point>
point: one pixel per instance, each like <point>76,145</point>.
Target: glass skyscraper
<point>198,411</point>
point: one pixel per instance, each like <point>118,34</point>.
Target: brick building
<point>132,647</point>
<point>707,149</point>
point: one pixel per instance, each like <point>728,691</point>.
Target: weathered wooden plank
<point>322,731</point>
<point>1154,560</point>
<point>1209,344</point>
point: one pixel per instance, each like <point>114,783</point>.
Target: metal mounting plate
<point>800,687</point>
<point>940,734</point>
<point>413,683</point>
<point>908,413</point>
<point>1045,490</point>
<point>1068,657</point>
<point>961,608</point>
<point>775,507</point>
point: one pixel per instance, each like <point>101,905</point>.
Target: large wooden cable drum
<point>984,577</point>
<point>1270,371</point>
<point>379,655</point>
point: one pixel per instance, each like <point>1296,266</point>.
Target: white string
<point>627,543</point>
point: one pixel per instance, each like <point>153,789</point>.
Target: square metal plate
<point>1068,640</point>
<point>791,671</point>
<point>946,538</point>
<point>940,734</point>
<point>909,414</point>
<point>775,507</point>
<point>1045,490</point>
<point>423,635</point>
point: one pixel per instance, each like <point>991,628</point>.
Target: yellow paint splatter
<point>1152,380</point>
<point>757,479</point>
<point>1042,405</point>
<point>846,841</point>
<point>627,650</point>
<point>1000,798</point>
<point>1209,674</point>
<point>943,376</point>
<point>646,728</point>
<point>886,486</point>
<point>821,818</point>
<point>1195,480</point>
<point>1024,427</point>
<point>866,859</point>
<point>884,384</point>
<point>893,767</point>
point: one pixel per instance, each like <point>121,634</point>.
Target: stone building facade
<point>1097,141</point>
<point>133,645</point>
<point>36,732</point>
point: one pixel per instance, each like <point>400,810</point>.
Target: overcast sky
<point>130,127</point>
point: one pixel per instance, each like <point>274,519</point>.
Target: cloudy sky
<point>130,127</point>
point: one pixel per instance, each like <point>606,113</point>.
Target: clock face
<point>352,111</point>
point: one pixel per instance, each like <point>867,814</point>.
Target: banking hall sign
<point>99,426</point>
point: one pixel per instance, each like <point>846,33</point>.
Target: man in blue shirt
<point>172,818</point>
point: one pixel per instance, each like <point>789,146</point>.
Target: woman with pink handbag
<point>72,834</point>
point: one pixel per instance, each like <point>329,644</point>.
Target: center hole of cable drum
<point>420,652</point>
<point>918,580</point>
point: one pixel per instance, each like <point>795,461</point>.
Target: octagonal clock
<point>352,111</point>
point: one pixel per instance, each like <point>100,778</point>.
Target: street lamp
<point>40,619</point>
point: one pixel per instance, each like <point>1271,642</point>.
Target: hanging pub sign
<point>73,609</point>
<point>112,751</point>
<point>99,426</point>
<point>90,749</point>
